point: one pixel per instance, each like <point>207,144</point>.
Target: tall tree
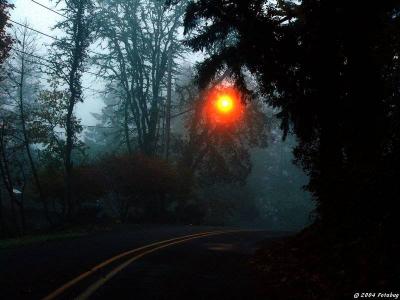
<point>5,44</point>
<point>332,69</point>
<point>334,82</point>
<point>72,50</point>
<point>21,74</point>
<point>219,153</point>
<point>138,36</point>
<point>5,38</point>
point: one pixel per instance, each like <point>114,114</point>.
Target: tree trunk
<point>68,157</point>
<point>168,104</point>
<point>74,88</point>
<point>26,139</point>
<point>126,127</point>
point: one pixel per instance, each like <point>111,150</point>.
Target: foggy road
<point>171,262</point>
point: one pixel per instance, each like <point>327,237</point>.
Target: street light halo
<point>223,106</point>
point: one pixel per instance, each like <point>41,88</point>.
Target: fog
<point>127,138</point>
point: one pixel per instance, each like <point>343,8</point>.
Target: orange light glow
<point>223,105</point>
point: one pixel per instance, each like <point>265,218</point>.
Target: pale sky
<point>43,20</point>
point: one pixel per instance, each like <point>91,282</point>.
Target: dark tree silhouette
<point>5,46</point>
<point>332,68</point>
<point>5,38</point>
<point>73,48</point>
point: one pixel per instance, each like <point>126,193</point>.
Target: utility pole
<point>168,103</point>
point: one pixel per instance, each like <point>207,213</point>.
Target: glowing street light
<point>223,105</point>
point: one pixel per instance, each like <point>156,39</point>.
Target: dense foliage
<point>332,70</point>
<point>331,67</point>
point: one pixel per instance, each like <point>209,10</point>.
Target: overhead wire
<point>55,38</point>
<point>53,62</point>
<point>50,9</point>
<point>47,35</point>
<point>40,77</point>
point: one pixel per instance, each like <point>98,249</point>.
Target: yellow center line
<point>96,285</point>
<point>82,276</point>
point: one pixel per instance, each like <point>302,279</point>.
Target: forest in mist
<point>150,157</point>
<point>282,115</point>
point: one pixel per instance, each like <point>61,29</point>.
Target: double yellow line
<point>137,252</point>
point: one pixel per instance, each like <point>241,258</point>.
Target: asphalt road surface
<point>152,262</point>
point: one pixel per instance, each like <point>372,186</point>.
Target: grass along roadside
<point>67,232</point>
